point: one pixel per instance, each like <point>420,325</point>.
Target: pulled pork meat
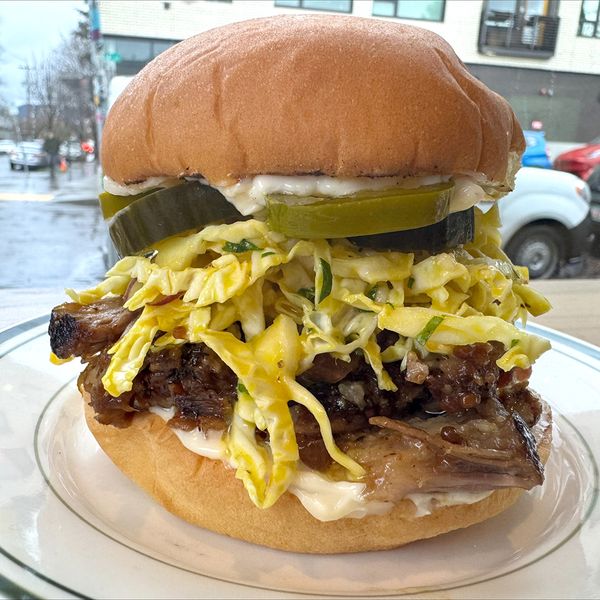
<point>84,330</point>
<point>458,421</point>
<point>476,450</point>
<point>190,378</point>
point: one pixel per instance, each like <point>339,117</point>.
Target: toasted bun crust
<point>333,95</point>
<point>206,493</point>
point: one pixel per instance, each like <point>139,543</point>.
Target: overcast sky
<point>30,29</point>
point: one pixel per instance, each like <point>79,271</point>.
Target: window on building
<point>129,54</point>
<point>344,6</point>
<point>502,6</point>
<point>527,28</point>
<point>423,10</point>
<point>159,46</point>
<point>589,19</point>
<point>132,49</point>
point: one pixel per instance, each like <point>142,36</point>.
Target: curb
<point>83,199</point>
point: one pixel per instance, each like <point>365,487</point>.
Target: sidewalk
<point>82,185</point>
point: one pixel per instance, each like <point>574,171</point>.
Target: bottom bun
<point>206,493</point>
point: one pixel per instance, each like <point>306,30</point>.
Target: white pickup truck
<point>546,223</point>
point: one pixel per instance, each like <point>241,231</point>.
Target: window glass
<point>588,20</point>
<point>159,46</point>
<point>384,8</point>
<point>536,7</point>
<point>138,50</point>
<point>110,45</point>
<point>590,9</point>
<point>333,5</point>
<point>425,10</point>
<point>502,6</point>
<point>429,10</point>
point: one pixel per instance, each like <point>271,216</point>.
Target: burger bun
<point>206,493</point>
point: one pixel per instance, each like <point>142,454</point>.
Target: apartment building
<point>542,55</point>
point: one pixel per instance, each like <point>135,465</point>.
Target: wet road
<point>50,237</point>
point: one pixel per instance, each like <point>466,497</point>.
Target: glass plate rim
<point>23,327</point>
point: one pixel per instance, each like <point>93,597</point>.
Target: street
<point>50,236</point>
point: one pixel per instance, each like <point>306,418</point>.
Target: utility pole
<point>27,68</point>
<point>100,81</point>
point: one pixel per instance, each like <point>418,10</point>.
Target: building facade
<point>542,55</point>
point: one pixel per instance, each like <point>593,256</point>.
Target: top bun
<point>309,94</point>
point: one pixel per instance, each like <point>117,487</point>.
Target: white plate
<point>72,526</point>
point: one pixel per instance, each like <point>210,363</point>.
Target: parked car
<point>7,146</point>
<point>580,161</point>
<point>546,222</point>
<point>71,151</point>
<point>594,183</point>
<point>30,154</point>
<point>536,151</point>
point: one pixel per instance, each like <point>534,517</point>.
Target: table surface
<point>576,306</point>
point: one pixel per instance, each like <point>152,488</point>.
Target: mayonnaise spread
<point>324,499</point>
<point>427,503</point>
<point>249,194</point>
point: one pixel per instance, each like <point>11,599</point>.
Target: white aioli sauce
<point>426,503</point>
<point>324,499</point>
<point>117,189</point>
<point>249,195</point>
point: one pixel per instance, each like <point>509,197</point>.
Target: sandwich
<point>309,342</point>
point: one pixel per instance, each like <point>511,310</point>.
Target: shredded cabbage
<point>266,367</point>
<point>296,299</point>
<point>459,331</point>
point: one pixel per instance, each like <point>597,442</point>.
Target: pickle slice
<point>366,213</point>
<point>160,214</point>
<point>110,204</point>
<point>457,228</point>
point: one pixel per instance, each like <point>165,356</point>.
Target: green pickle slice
<point>154,216</point>
<point>457,228</point>
<point>366,213</point>
<point>110,204</point>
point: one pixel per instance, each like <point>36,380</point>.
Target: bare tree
<point>6,124</point>
<point>76,72</point>
<point>1,53</point>
<point>6,121</point>
<point>45,110</point>
<point>60,88</point>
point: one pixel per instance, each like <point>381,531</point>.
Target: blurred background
<point>62,64</point>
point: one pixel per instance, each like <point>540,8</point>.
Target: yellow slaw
<point>297,299</point>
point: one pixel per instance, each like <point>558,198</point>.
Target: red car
<point>581,161</point>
